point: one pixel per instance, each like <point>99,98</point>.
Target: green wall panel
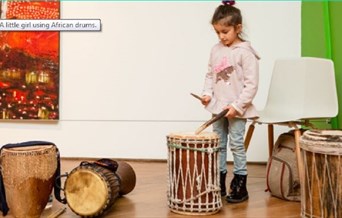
<point>336,39</point>
<point>313,35</point>
<point>320,34</point>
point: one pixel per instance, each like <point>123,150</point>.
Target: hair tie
<point>228,2</point>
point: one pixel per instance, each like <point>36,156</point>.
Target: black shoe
<point>238,191</point>
<point>223,183</point>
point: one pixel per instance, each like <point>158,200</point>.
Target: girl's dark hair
<point>230,15</point>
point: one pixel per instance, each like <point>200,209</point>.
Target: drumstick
<point>211,121</point>
<point>57,212</point>
<point>196,96</point>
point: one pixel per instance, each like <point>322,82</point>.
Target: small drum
<point>92,188</point>
<point>193,175</point>
<point>322,188</point>
<point>28,176</point>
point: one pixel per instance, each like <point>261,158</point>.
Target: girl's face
<point>228,35</point>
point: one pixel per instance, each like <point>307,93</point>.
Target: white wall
<point>125,88</point>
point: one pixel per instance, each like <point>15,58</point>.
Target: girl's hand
<point>205,100</point>
<point>231,112</point>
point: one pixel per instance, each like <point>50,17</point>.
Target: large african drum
<point>322,150</point>
<point>193,175</point>
<point>28,172</point>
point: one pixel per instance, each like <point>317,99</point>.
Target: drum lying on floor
<point>92,188</point>
<point>193,174</point>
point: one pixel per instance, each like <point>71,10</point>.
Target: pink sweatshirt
<point>232,79</point>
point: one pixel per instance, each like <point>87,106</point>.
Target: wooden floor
<point>148,199</point>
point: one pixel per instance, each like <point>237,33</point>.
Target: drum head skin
<point>192,135</point>
<point>322,141</point>
<point>86,192</point>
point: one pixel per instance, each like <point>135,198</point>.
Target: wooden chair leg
<point>297,134</point>
<point>249,135</point>
<point>270,139</point>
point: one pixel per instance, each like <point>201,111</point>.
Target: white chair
<point>301,89</point>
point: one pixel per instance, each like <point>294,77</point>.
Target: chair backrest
<point>302,88</point>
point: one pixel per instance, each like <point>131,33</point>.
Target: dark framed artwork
<point>29,63</point>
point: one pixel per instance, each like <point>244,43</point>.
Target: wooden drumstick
<point>211,121</point>
<point>196,96</point>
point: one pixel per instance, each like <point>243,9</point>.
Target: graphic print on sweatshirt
<point>223,70</point>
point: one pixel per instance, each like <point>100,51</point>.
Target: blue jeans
<point>235,129</point>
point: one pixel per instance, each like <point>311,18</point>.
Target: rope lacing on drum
<point>207,191</point>
<point>207,150</point>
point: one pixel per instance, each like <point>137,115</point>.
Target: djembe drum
<point>322,150</point>
<point>28,170</point>
<point>193,174</point>
<point>92,188</point>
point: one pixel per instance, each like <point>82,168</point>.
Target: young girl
<point>231,83</point>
